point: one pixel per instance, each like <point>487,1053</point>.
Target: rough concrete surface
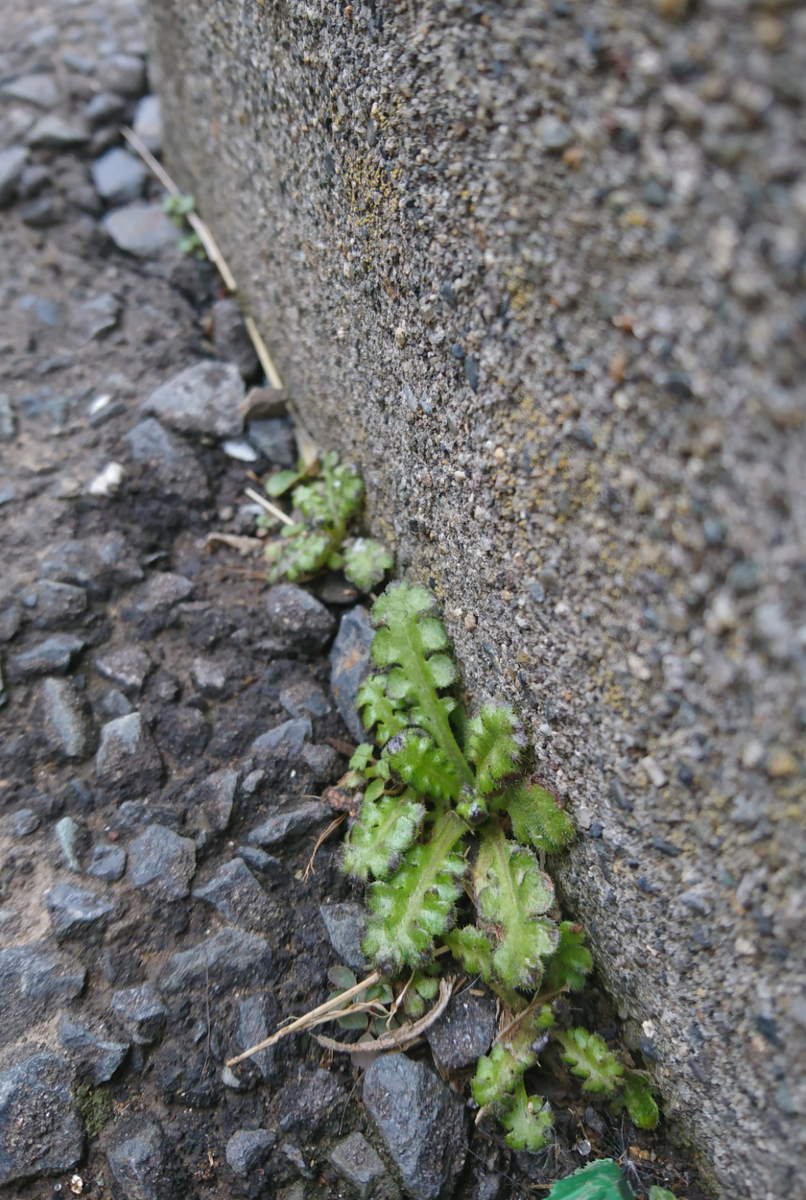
<point>537,268</point>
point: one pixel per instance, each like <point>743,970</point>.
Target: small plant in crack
<point>325,510</point>
<point>450,841</point>
<point>178,208</point>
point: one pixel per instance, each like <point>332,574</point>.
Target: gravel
<point>41,1131</point>
<point>203,399</point>
<point>163,862</point>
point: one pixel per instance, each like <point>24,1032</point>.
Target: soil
<point>51,375</point>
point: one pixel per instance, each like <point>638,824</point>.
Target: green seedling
<point>437,798</point>
<point>320,538</point>
<point>178,208</point>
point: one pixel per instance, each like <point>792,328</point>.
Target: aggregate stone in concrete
<point>66,723</point>
<point>35,979</point>
<point>118,176</point>
<point>303,623</point>
<point>95,564</point>
<point>127,666</point>
<point>214,798</point>
<point>102,1056</point>
<point>209,677</point>
<point>141,1013</point>
<point>123,73</point>
<point>58,133</point>
<point>277,829</point>
<point>350,663</point>
<point>41,90</point>
<point>253,1027</point>
<point>74,910</point>
<point>148,123</point>
<point>171,461</point>
<point>108,863</point>
<point>274,438</point>
<point>163,862</point>
<point>48,603</point>
<point>127,759</point>
<point>151,606</point>
<point>21,823</point>
<point>12,165</point>
<point>345,924</point>
<point>104,107</point>
<point>465,1030</point>
<point>95,317</point>
<point>282,742</point>
<point>142,1163</point>
<point>238,896</point>
<point>53,656</point>
<point>231,337</point>
<point>422,1122</point>
<point>304,699</point>
<point>203,399</point>
<point>358,1164</point>
<point>41,1132</point>
<point>140,229</point>
<point>248,1149</point>
<point>231,956</point>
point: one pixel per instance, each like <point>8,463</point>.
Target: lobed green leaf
<point>387,827</point>
<point>366,562</point>
<point>590,1059</point>
<point>494,745</point>
<point>538,817</point>
<point>528,1121</point>
<point>570,962</point>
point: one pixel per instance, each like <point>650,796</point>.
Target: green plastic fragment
<point>600,1180</point>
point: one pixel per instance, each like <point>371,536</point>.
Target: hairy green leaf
<point>366,562</point>
<point>512,896</point>
<point>590,1059</point>
<point>497,1073</point>
<point>494,744</point>
<point>409,642</point>
<point>377,709</point>
<point>528,1121</point>
<point>570,962</point>
<point>538,817</point>
<point>420,763</point>
<point>387,827</point>
<point>280,482</point>
<point>416,905</point>
<point>362,756</point>
<point>637,1098</point>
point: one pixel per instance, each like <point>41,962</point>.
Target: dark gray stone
<point>127,666</point>
<point>141,229</point>
<point>283,742</point>
<point>54,656</point>
<point>102,1057</point>
<point>232,957</point>
<point>422,1122</point>
<point>304,699</point>
<point>43,212</point>
<point>307,1104</point>
<point>49,603</point>
<point>95,565</point>
<point>350,663</point>
<point>12,165</point>
<point>58,133</point>
<point>253,1028</point>
<point>20,823</point>
<point>154,602</point>
<point>238,896</point>
<point>73,910</point>
<point>358,1164</point>
<point>274,438</point>
<point>41,1132</point>
<point>33,180</point>
<point>148,123</point>
<point>114,704</point>
<point>231,338</point>
<point>118,176</point>
<point>174,465</point>
<point>345,925</point>
<point>297,619</point>
<point>105,107</point>
<point>108,863</point>
<point>247,1150</point>
<point>209,677</point>
<point>214,799</point>
<point>41,90</point>
<point>142,1163</point>
<point>464,1032</point>
<point>89,320</point>
<point>35,980</point>
<point>322,762</point>
<point>127,759</point>
<point>8,418</point>
<point>123,73</point>
<point>141,1013</point>
<point>66,722</point>
<point>265,864</point>
<point>163,862</point>
<point>290,824</point>
<point>203,399</point>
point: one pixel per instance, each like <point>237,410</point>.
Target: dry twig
<point>397,1039</point>
<point>276,512</point>
<point>333,825</point>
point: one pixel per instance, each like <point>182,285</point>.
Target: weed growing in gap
<point>440,798</point>
<point>326,507</point>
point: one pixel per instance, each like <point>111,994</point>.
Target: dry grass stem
<point>309,1018</point>
<point>397,1039</point>
<point>309,870</point>
<point>276,512</point>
